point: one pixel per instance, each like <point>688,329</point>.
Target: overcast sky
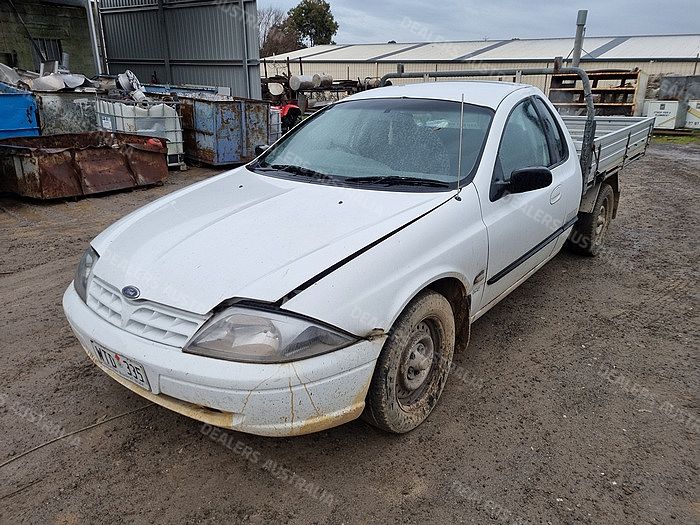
<point>420,20</point>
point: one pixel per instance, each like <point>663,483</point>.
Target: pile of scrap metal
<point>54,77</point>
<point>57,100</point>
<point>309,93</point>
<point>66,102</point>
<point>53,145</point>
<point>50,78</point>
<point>59,166</point>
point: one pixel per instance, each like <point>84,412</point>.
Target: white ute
<point>334,275</point>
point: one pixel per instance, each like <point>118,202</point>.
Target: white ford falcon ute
<point>333,276</point>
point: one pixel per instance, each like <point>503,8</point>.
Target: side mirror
<point>529,179</point>
<point>261,148</point>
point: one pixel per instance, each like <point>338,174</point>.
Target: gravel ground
<point>576,401</point>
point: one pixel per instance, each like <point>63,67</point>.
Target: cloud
<point>364,21</point>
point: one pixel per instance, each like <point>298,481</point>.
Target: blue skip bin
<point>18,113</point>
<point>220,130</point>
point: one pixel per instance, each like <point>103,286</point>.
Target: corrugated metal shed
<point>617,48</point>
<point>656,47</point>
<point>539,49</point>
<point>655,55</point>
<point>308,52</point>
<point>207,42</point>
<point>439,51</point>
<point>364,52</point>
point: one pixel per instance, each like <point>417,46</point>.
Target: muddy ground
<point>576,401</point>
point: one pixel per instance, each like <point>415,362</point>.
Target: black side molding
<point>520,260</point>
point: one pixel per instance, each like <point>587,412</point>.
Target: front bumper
<point>267,399</point>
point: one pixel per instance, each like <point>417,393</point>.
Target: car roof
<point>481,93</point>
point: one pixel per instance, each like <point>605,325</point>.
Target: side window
<point>523,145</point>
<point>556,139</point>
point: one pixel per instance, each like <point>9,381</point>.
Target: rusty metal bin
<point>66,112</point>
<point>57,166</point>
<point>220,130</point>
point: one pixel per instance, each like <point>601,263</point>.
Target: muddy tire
<point>590,231</point>
<point>413,366</point>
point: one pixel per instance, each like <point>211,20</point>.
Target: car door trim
<point>520,260</point>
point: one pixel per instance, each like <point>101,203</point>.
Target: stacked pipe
<point>315,81</point>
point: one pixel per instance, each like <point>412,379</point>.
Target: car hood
<point>245,235</point>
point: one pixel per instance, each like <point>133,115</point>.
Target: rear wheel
<point>412,369</point>
<point>590,231</point>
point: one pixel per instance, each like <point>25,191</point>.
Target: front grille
<point>152,321</point>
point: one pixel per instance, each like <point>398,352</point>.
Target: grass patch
<point>683,140</point>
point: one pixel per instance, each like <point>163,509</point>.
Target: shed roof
<point>618,48</point>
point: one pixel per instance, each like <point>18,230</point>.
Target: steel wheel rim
<point>601,222</point>
<point>417,362</point>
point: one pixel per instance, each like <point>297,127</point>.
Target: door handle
<point>555,195</point>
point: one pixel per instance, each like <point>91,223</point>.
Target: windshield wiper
<point>295,170</point>
<point>395,180</point>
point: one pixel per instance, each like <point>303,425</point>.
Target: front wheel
<point>414,364</point>
<point>589,233</point>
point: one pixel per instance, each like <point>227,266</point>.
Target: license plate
<point>125,367</point>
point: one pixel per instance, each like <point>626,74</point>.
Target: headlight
<point>83,272</point>
<point>260,336</point>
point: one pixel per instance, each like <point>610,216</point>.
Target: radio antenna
<point>461,136</point>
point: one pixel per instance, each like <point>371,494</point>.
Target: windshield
<point>390,142</point>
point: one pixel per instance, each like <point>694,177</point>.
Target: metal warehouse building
<point>662,54</point>
<point>209,42</point>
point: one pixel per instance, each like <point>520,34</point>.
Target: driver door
<point>521,227</point>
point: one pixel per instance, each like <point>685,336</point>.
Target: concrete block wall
<point>65,23</point>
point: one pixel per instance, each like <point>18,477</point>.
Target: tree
<point>282,38</point>
<point>276,33</point>
<point>314,22</point>
<point>268,17</point>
